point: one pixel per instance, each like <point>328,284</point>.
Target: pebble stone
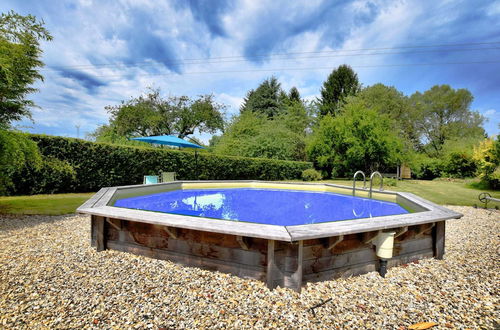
<point>50,277</point>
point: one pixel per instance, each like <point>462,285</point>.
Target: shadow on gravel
<point>15,222</point>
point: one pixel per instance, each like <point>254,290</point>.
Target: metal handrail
<point>354,181</point>
<point>371,182</point>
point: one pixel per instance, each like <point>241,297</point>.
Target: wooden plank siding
<point>278,263</point>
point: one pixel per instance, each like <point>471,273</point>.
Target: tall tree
<point>340,84</point>
<point>391,102</point>
<point>20,54</point>
<point>445,114</point>
<point>356,139</point>
<point>294,95</point>
<point>267,99</point>
<point>150,114</point>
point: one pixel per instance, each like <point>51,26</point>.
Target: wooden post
<point>100,228</point>
<point>438,235</point>
<point>296,277</point>
<point>271,265</point>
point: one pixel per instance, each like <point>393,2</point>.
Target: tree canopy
<point>340,84</point>
<point>20,54</point>
<point>444,114</point>
<point>269,98</point>
<point>253,134</point>
<point>357,138</point>
<point>271,124</point>
<point>150,114</point>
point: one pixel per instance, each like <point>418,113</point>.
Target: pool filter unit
<point>384,244</point>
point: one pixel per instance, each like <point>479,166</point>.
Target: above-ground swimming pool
<point>283,207</point>
<point>285,234</point>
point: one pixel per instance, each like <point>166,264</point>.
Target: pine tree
<point>294,95</point>
<point>341,83</point>
<point>268,98</point>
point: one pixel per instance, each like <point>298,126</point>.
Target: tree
<point>445,114</point>
<point>267,99</point>
<point>294,95</point>
<point>254,135</point>
<point>391,102</point>
<point>20,54</point>
<point>356,139</point>
<point>340,84</point>
<point>150,114</point>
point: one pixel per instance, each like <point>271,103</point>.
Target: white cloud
<point>490,113</point>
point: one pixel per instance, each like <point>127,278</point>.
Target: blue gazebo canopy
<point>168,140</point>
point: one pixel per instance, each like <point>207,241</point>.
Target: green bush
<point>426,168</point>
<point>53,176</point>
<point>311,175</point>
<point>99,165</point>
<point>459,165</point>
<point>390,182</point>
<point>487,156</point>
<point>16,152</point>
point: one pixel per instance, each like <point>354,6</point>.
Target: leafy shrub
<point>16,152</point>
<point>390,182</point>
<point>53,176</point>
<point>459,165</point>
<point>99,165</point>
<point>426,168</point>
<point>311,175</point>
<point>487,156</point>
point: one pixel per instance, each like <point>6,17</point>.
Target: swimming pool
<point>285,234</point>
<point>266,206</point>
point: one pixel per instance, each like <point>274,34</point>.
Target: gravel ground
<point>51,277</point>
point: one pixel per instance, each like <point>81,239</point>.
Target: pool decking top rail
<point>99,205</point>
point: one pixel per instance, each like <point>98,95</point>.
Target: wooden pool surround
<point>286,256</point>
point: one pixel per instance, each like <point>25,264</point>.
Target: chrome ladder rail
<point>354,181</point>
<point>371,182</point>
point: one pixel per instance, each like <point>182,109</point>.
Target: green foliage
<point>16,152</point>
<point>445,114</point>
<point>109,134</point>
<point>311,175</point>
<point>389,182</point>
<point>20,54</point>
<point>267,99</point>
<point>340,84</point>
<point>356,139</point>
<point>391,102</point>
<point>98,165</point>
<point>150,114</point>
<point>459,164</point>
<point>426,168</point>
<point>487,156</point>
<point>294,95</point>
<point>252,134</point>
<point>53,176</point>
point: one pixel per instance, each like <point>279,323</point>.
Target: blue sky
<point>107,51</point>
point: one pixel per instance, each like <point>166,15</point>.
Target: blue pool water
<point>266,206</point>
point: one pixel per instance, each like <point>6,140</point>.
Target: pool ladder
<point>364,182</point>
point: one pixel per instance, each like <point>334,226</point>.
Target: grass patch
<point>55,204</point>
<point>455,192</point>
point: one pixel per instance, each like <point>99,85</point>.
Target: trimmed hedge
<point>99,165</point>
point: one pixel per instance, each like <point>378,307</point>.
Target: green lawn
<point>43,204</point>
<point>440,192</point>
